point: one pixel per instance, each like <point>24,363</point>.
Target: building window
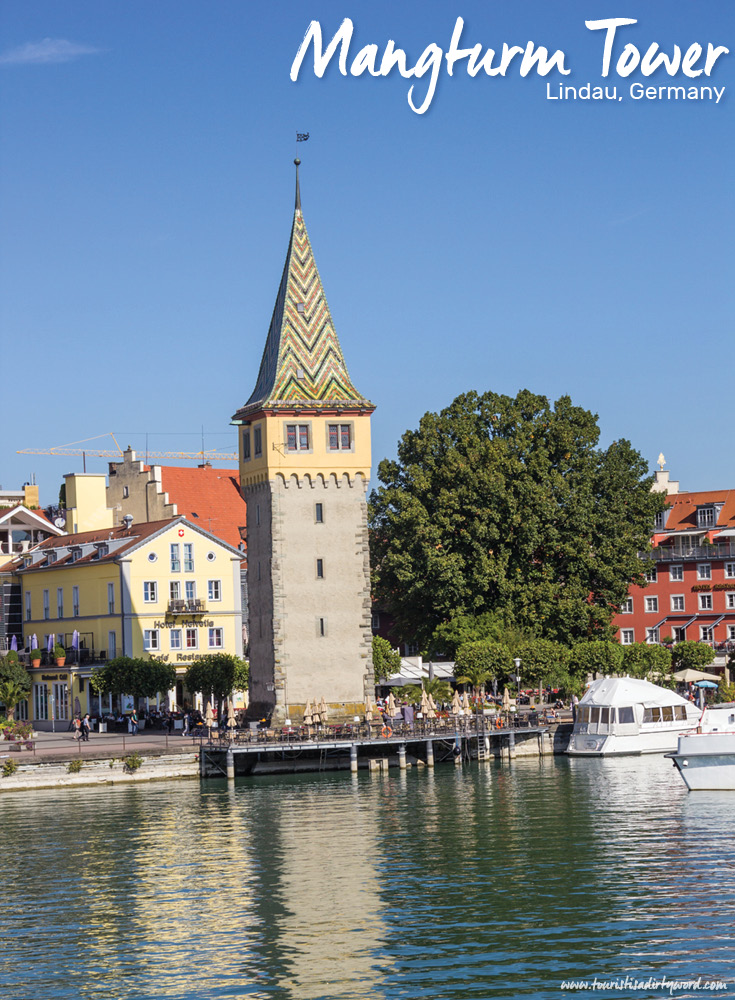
<point>320,569</point>
<point>40,701</point>
<point>214,590</point>
<point>75,601</point>
<point>680,634</point>
<point>76,554</point>
<point>174,590</point>
<point>375,622</point>
<point>258,441</point>
<point>321,627</point>
<point>651,604</point>
<point>297,437</point>
<point>706,633</point>
<point>652,574</point>
<point>28,605</point>
<point>46,609</point>
<point>627,636</point>
<point>150,639</point>
<point>257,513</point>
<point>704,571</point>
<point>706,517</point>
<point>730,600</point>
<point>111,645</point>
<point>103,550</point>
<point>651,636</point>
<point>111,598</point>
<point>705,602</point>
<point>126,492</point>
<point>59,602</point>
<point>677,602</point>
<point>150,591</point>
<point>175,638</point>
<point>175,558</point>
<point>340,437</point>
<point>730,571</point>
<point>676,574</point>
<point>188,557</point>
<point>626,608</point>
<point>192,638</point>
<point>731,633</point>
<point>660,522</point>
<point>319,513</point>
<point>216,638</point>
<point>246,445</point>
<point>190,591</point>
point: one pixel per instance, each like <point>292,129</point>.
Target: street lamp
<point>517,665</point>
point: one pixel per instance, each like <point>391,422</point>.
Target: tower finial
<point>297,161</point>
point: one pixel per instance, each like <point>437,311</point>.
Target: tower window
<point>297,437</point>
<point>246,446</point>
<point>320,569</point>
<point>258,441</point>
<point>300,307</point>
<point>321,627</point>
<point>340,437</point>
<point>319,513</point>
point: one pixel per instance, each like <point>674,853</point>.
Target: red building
<point>691,589</point>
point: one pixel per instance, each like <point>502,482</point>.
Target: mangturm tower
<point>304,439</point>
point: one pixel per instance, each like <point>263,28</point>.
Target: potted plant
<point>59,655</point>
<point>35,658</point>
<point>12,656</point>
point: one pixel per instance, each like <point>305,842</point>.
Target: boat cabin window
<point>583,714</point>
<point>652,714</point>
<point>626,715</point>
<point>668,713</point>
<point>680,711</point>
<point>594,714</point>
<point>605,716</point>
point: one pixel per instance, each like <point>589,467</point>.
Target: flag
<point>302,136</point>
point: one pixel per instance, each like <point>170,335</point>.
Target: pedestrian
<point>77,724</point>
<point>575,702</point>
<point>134,723</point>
<point>187,723</point>
<point>86,726</point>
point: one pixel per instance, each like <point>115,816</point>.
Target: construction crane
<point>66,450</point>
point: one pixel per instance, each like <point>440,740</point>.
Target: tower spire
<point>297,161</point>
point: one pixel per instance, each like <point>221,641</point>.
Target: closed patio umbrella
<point>368,709</point>
<point>231,721</point>
<point>50,644</point>
<point>34,641</point>
<point>506,700</point>
<point>432,708</point>
<point>466,703</point>
<point>323,710</point>
<point>14,644</point>
<point>308,713</point>
<point>391,705</point>
<point>209,718</point>
<point>456,704</point>
<point>424,703</point>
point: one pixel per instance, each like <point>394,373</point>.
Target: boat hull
<point>706,761</point>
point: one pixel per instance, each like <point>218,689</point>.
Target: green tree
<point>644,660</point>
<point>10,694</point>
<point>601,656</point>
<point>693,655</point>
<point>217,673</point>
<point>450,635</point>
<point>478,662</point>
<point>386,660</point>
<point>14,671</point>
<point>134,676</point>
<point>507,505</point>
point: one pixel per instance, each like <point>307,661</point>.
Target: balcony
<point>705,553</point>
<point>194,607</point>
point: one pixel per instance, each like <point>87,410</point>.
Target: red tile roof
<point>208,497</point>
<point>683,513</point>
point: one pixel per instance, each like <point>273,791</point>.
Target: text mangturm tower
<point>304,439</point>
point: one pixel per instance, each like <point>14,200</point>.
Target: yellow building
<point>161,589</point>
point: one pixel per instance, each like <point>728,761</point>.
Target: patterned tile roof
<point>683,513</point>
<point>303,362</point>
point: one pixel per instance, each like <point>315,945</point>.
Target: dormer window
<point>76,554</point>
<point>660,523</point>
<point>52,557</point>
<point>706,517</point>
<point>102,550</point>
<point>27,562</point>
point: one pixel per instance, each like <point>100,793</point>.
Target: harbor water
<point>489,880</point>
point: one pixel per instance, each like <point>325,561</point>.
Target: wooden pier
<point>289,751</point>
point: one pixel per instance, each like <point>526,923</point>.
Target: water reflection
<point>475,882</point>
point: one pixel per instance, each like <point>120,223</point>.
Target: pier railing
<point>396,729</point>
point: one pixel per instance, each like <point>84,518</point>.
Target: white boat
<point>706,758</point>
<point>623,715</point>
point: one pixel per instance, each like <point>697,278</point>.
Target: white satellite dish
<point>60,522</point>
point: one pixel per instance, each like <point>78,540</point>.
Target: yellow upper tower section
<point>305,414</point>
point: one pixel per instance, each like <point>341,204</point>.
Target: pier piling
<point>353,758</point>
<point>429,753</point>
<point>402,756</point>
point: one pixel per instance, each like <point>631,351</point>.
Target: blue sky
<point>498,241</point>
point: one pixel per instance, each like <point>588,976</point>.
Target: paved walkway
<point>63,745</point>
